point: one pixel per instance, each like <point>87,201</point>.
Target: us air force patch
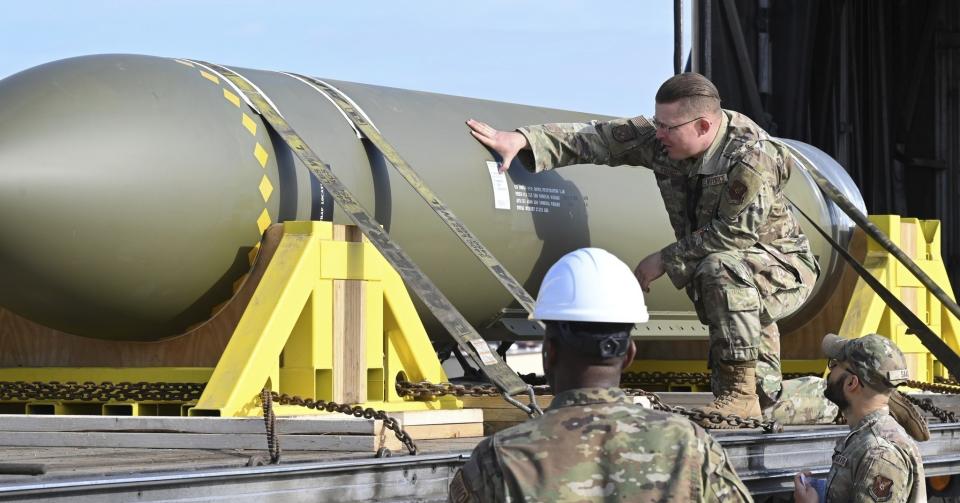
<point>623,133</point>
<point>881,488</point>
<point>735,191</point>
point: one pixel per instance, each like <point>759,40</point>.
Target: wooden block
<point>429,417</point>
<point>496,402</point>
<point>498,414</point>
<point>453,430</point>
<point>340,424</point>
<point>349,336</point>
<point>343,443</point>
<point>491,427</point>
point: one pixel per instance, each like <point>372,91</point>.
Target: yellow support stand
<point>866,313</point>
<point>329,320</point>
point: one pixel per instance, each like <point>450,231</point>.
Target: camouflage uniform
<point>877,461</point>
<point>594,444</point>
<point>802,402</point>
<point>739,252</point>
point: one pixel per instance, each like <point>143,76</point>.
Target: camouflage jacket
<point>594,444</point>
<point>877,461</point>
<point>729,199</point>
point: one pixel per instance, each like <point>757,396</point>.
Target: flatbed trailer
<point>765,462</point>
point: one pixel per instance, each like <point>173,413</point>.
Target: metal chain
<point>270,424</point>
<point>926,404</point>
<point>89,391</point>
<point>666,379</point>
<point>425,389</point>
<point>943,387</point>
<point>354,410</point>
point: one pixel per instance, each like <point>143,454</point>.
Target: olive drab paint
<point>134,190</point>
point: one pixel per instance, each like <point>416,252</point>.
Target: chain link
<point>666,379</point>
<point>106,391</point>
<point>270,424</point>
<point>425,389</point>
<point>942,386</point>
<point>389,422</point>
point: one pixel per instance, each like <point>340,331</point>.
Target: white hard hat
<point>592,285</point>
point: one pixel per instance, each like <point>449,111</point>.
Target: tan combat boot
<point>907,415</point>
<point>737,394</point>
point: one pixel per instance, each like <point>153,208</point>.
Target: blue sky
<point>601,56</point>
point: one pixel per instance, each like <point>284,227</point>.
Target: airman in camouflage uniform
<point>877,461</point>
<point>739,253</point>
<point>593,443</point>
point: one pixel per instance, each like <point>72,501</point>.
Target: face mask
<point>834,393</point>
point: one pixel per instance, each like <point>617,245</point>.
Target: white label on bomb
<point>501,193</point>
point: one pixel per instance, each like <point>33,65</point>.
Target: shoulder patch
<point>623,133</point>
<point>736,190</point>
<point>881,489</point>
<point>744,184</point>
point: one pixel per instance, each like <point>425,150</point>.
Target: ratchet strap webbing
<point>361,122</point>
<point>460,329</point>
<point>915,325</point>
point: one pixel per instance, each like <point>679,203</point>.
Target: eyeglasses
<point>663,127</point>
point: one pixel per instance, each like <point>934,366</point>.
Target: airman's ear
<point>631,354</point>
<point>703,126</point>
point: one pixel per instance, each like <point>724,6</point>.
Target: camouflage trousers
<point>740,295</point>
<point>802,402</point>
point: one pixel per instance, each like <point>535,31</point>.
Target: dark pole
<point>677,36</point>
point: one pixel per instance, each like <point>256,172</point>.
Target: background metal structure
<point>876,85</point>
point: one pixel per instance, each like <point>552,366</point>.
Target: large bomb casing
<point>133,190</point>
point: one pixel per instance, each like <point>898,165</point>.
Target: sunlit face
<point>682,134</point>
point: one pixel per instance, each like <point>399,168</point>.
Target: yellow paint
<point>266,188</point>
<point>264,221</point>
<point>261,155</point>
<point>232,98</point>
<point>182,62</point>
<point>867,313</point>
<point>252,254</point>
<point>249,124</point>
<point>289,314</point>
<point>211,77</point>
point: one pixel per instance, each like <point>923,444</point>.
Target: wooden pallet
<point>498,414</point>
<point>308,433</point>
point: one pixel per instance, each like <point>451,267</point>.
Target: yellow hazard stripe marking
<point>261,155</point>
<point>232,98</point>
<point>249,124</point>
<point>252,254</point>
<point>266,188</point>
<point>187,63</point>
<point>264,221</point>
<point>211,77</point>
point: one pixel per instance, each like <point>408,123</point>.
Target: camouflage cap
<point>873,358</point>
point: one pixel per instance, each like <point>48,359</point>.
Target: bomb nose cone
<point>113,171</point>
